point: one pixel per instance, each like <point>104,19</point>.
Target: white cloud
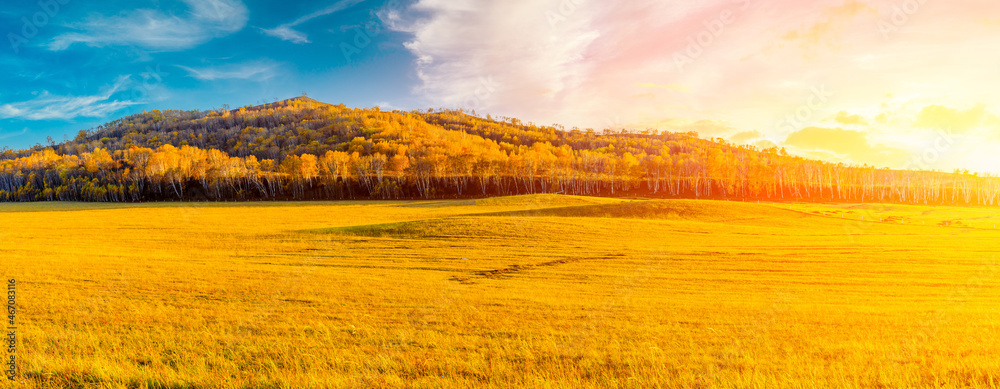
<point>525,59</point>
<point>255,71</point>
<point>287,34</point>
<point>749,64</point>
<point>157,30</point>
<point>386,106</point>
<point>285,31</point>
<point>582,62</point>
<point>48,107</point>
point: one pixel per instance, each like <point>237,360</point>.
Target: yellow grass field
<point>533,291</point>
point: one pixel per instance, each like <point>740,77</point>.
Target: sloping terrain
<point>301,149</point>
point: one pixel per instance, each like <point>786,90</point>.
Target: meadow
<point>538,291</point>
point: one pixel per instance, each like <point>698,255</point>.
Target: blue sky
<point>891,83</point>
<point>92,62</point>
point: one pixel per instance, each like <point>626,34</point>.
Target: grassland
<point>536,292</point>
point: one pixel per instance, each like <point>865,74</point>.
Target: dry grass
<point>535,291</point>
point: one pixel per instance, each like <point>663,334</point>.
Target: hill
<point>306,150</point>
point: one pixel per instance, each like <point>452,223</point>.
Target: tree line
<point>305,150</point>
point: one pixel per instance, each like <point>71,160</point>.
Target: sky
<point>899,84</point>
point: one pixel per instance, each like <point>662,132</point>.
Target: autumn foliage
<point>303,149</point>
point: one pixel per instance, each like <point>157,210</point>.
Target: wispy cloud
<point>255,71</point>
<point>157,30</point>
<point>836,144</point>
<point>286,33</point>
<point>385,105</point>
<point>48,107</point>
<point>830,27</point>
<point>4,135</point>
<point>751,66</point>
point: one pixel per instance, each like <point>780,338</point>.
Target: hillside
<point>306,150</point>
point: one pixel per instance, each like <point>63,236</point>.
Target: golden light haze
<point>902,84</point>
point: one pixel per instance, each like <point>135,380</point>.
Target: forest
<point>301,149</point>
